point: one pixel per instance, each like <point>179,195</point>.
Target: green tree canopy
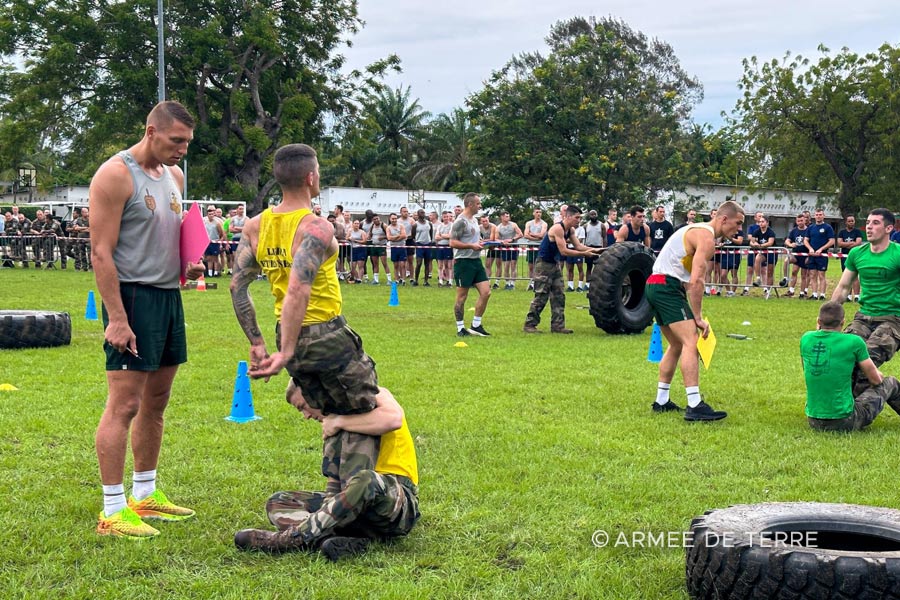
<point>256,74</point>
<point>830,125</point>
<point>599,120</point>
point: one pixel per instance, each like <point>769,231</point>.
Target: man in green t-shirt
<point>877,265</point>
<point>829,358</point>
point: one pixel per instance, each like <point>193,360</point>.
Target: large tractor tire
<point>34,329</point>
<point>616,295</point>
<point>796,550</point>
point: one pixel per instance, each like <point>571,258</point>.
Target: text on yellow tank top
<point>273,253</point>
<point>397,454</point>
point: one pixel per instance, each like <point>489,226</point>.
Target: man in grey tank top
<point>135,206</point>
<point>468,270</point>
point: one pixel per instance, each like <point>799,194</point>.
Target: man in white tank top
<point>675,292</point>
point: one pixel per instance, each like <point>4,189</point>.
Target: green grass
<point>526,445</point>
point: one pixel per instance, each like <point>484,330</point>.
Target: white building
<point>383,202</point>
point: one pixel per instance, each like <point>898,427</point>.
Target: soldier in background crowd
<point>508,233</point>
<point>443,251</point>
<point>82,230</point>
<point>378,249</point>
<point>534,233</point>
<point>660,229</point>
<point>423,236</point>
<point>795,242</point>
<point>848,238</point>
<point>594,237</point>
<point>407,222</point>
<point>612,226</point>
<point>396,235</point>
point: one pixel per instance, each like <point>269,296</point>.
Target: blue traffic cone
<point>395,298</point>
<point>242,400</point>
<point>90,311</point>
<point>655,353</point>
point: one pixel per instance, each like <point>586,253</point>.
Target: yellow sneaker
<point>125,523</point>
<point>157,506</point>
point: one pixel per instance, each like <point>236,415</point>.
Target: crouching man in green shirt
<point>829,357</point>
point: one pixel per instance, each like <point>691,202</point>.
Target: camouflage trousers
<point>882,336</point>
<point>866,407</point>
<point>344,455</point>
<point>372,505</point>
<point>81,251</point>
<point>548,285</point>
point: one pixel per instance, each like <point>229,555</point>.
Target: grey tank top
<point>593,234</point>
<point>378,236</point>
<point>444,229</point>
<point>423,232</point>
<point>150,231</point>
<point>471,234</point>
<point>506,232</point>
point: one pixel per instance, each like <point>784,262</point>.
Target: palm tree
<point>445,153</point>
<point>400,120</point>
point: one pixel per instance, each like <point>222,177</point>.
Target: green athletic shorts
<point>668,299</point>
<point>156,317</point>
<point>378,251</point>
<point>468,271</point>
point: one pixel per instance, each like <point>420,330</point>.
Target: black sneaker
<point>703,412</point>
<point>463,333</point>
<point>426,284</point>
<point>667,407</point>
<point>496,286</point>
<point>337,547</point>
<point>414,283</point>
<point>479,331</point>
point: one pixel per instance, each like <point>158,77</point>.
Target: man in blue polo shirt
<point>819,240</point>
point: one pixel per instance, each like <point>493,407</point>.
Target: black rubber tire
<point>34,329</point>
<point>616,295</point>
<point>848,551</point>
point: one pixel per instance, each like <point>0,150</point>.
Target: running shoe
<point>157,506</point>
<point>125,523</point>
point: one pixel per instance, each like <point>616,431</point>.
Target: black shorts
<point>156,317</point>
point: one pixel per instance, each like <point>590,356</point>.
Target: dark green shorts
<point>156,317</point>
<point>378,251</point>
<point>468,271</point>
<point>668,300</point>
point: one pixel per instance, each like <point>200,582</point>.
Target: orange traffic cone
<point>201,284</point>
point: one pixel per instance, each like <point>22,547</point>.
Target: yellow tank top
<point>273,253</point>
<point>397,455</point>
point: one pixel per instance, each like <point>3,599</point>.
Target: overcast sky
<point>448,50</point>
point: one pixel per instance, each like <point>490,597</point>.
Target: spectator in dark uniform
<point>660,229</point>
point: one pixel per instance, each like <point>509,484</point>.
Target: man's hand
<point>194,271</point>
<point>703,326</point>
<point>258,354</point>
<point>121,337</point>
<point>330,426</point>
<point>270,366</point>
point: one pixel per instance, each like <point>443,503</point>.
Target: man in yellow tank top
<point>297,251</point>
<point>376,503</point>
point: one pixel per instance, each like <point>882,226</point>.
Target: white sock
<point>571,285</point>
<point>376,277</point>
<point>476,321</point>
<point>113,499</point>
<point>460,325</point>
<point>143,484</point>
<point>693,395</point>
<point>662,393</point>
<point>791,290</point>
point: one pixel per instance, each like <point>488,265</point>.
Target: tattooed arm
<point>246,270</point>
<point>316,244</point>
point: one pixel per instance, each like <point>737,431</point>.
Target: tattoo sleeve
<point>246,270</point>
<point>458,229</point>
<point>313,250</point>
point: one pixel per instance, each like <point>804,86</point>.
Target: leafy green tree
<point>599,120</point>
<point>400,120</point>
<point>826,125</point>
<point>443,160</point>
<point>257,74</point>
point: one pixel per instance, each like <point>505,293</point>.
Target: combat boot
<point>336,548</point>
<point>273,542</point>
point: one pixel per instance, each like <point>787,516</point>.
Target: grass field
<point>526,446</point>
